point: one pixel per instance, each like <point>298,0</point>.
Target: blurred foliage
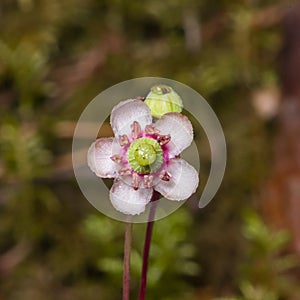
<point>55,56</point>
<point>265,271</point>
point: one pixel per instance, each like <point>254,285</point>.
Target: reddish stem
<point>147,246</point>
<point>127,250</point>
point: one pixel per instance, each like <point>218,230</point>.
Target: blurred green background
<point>55,57</point>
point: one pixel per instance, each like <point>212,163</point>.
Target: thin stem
<point>147,246</point>
<point>127,250</point>
<point>146,260</point>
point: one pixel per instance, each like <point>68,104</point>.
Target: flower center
<point>145,155</point>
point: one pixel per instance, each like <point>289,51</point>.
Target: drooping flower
<point>144,156</point>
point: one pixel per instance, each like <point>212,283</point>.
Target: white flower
<point>144,156</point>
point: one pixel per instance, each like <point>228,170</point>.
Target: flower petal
<point>128,111</point>
<point>99,160</point>
<point>127,200</point>
<point>180,129</point>
<point>183,183</point>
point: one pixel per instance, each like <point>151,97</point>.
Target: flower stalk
<point>127,252</point>
<point>147,245</point>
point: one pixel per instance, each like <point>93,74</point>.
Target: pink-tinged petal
<point>183,182</point>
<point>126,112</point>
<point>127,200</point>
<point>99,157</point>
<point>179,128</point>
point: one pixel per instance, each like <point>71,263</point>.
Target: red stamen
<point>116,158</point>
<point>150,129</point>
<point>165,176</point>
<point>136,129</point>
<point>136,181</point>
<point>124,171</point>
<point>148,181</point>
<point>164,139</point>
<point>123,140</point>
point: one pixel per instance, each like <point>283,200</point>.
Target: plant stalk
<point>127,251</point>
<point>147,245</point>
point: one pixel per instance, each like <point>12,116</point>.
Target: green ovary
<point>145,155</point>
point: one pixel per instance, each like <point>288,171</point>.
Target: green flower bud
<point>145,155</point>
<point>163,99</point>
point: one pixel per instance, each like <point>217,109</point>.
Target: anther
<point>165,176</point>
<point>123,140</point>
<point>164,139</point>
<point>124,171</point>
<point>136,181</point>
<point>150,129</point>
<point>148,181</point>
<point>135,129</point>
<point>116,158</point>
